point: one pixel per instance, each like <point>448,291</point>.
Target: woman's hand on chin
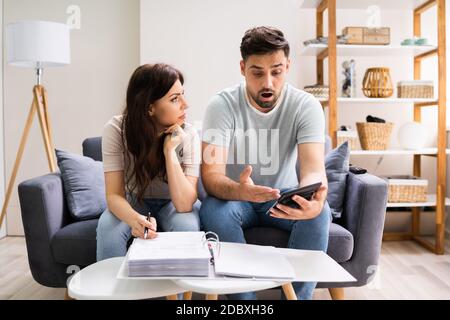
<point>175,136</point>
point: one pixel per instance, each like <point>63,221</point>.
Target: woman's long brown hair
<point>140,137</point>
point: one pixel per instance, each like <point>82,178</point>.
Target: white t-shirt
<point>267,141</point>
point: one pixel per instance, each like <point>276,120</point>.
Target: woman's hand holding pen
<point>138,224</point>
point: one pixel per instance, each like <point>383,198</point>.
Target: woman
<point>151,161</point>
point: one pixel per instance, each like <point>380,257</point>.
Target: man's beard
<point>265,104</point>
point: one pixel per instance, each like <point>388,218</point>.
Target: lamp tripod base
<point>40,106</point>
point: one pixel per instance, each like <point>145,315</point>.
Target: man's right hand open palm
<point>248,191</point>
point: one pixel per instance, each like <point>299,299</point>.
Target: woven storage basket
<point>374,136</point>
<point>350,136</point>
<point>318,91</point>
<point>407,189</point>
<point>415,89</point>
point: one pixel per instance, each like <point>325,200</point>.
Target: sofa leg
<point>336,293</point>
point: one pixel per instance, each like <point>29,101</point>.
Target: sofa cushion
<point>92,148</point>
<point>340,242</point>
<point>266,236</point>
<point>337,167</point>
<point>76,243</point>
<point>84,185</point>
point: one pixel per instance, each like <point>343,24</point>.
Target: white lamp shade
<point>38,44</point>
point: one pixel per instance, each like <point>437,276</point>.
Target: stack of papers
<point>169,254</point>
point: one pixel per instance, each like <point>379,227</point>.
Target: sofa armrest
<point>364,214</point>
<point>44,212</point>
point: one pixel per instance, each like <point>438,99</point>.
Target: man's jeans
<point>229,218</point>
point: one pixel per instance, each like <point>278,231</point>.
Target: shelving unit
<point>397,152</point>
<point>423,102</point>
<point>431,202</point>
<point>331,50</point>
<point>363,4</point>
<point>367,50</point>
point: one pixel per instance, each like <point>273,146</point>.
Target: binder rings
<point>200,255</point>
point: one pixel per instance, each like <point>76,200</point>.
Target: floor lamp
<point>37,45</point>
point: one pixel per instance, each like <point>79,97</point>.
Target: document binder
<point>169,254</point>
<point>202,255</point>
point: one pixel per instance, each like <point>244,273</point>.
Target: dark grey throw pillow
<point>84,185</point>
<point>337,167</point>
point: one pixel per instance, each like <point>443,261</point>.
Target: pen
<point>146,229</point>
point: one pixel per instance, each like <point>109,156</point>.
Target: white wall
<point>2,167</point>
<point>202,37</point>
<point>83,95</point>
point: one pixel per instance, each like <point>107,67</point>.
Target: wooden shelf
<point>396,152</point>
<point>326,14</point>
<point>369,50</point>
<point>363,4</point>
<point>431,202</point>
<point>382,100</point>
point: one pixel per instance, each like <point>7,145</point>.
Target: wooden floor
<point>407,271</point>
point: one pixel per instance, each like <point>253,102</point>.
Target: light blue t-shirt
<point>266,141</point>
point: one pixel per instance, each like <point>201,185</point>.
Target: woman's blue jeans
<point>113,234</point>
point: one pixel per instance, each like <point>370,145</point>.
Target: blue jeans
<point>113,234</point>
<point>229,219</point>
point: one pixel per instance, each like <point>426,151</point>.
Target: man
<point>242,124</point>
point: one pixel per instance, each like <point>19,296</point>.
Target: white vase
<point>412,136</point>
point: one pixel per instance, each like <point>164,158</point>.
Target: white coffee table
<point>309,266</point>
<point>99,281</point>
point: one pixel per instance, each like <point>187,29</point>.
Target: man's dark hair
<point>263,40</point>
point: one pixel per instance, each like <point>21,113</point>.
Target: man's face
<point>265,76</point>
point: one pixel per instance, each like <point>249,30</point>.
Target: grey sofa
<point>57,245</point>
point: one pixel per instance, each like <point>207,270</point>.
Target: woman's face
<point>170,109</point>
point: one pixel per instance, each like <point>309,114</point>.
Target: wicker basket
<point>407,189</point>
<point>318,91</point>
<point>377,83</point>
<point>374,136</point>
<point>350,136</point>
<point>415,89</point>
